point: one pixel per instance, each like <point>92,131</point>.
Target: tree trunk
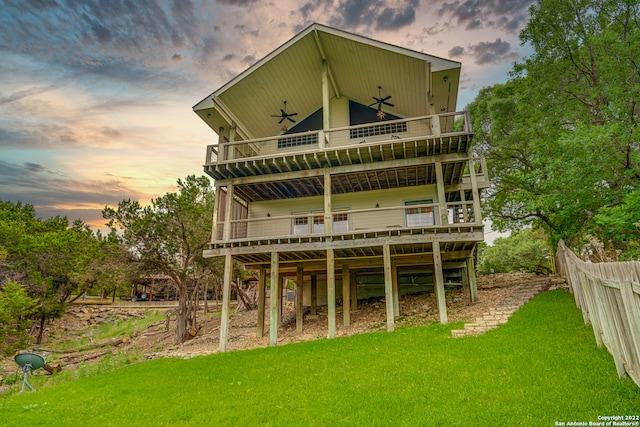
<point>41,331</point>
<point>181,317</point>
<point>206,292</point>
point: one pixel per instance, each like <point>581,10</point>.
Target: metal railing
<point>351,221</point>
<point>425,127</point>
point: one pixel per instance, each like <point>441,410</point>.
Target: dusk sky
<point>96,96</point>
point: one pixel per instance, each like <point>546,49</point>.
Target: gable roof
<point>357,66</point>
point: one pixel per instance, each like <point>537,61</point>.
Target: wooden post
<point>326,116</point>
<point>227,215</point>
<point>226,296</point>
<point>477,213</point>
<point>273,303</point>
<point>216,208</point>
<point>439,283</point>
<point>222,140</point>
<point>442,198</point>
<point>465,281</point>
<point>354,291</point>
<point>471,274</point>
<point>388,286</point>
<point>633,316</point>
<point>396,291</point>
<point>262,284</point>
<point>331,294</point>
<point>299,287</point>
<point>346,289</point>
<point>232,148</point>
<point>314,294</point>
<point>328,219</point>
<point>281,281</point>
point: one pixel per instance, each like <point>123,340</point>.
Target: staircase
<point>502,312</point>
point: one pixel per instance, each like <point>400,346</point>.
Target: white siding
<point>269,224</point>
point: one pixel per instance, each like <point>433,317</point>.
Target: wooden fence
<point>609,296</point>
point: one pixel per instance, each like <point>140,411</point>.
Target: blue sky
<point>96,96</point>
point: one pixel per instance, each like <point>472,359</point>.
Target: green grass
<point>116,329</point>
<point>542,367</point>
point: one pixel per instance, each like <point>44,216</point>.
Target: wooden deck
<point>458,242</point>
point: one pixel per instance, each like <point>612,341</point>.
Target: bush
<point>15,309</point>
<point>524,251</point>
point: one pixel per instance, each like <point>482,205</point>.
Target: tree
<point>16,308</point>
<point>526,251</point>
<point>561,136</point>
<point>169,236</point>
<point>43,256</point>
<point>622,224</point>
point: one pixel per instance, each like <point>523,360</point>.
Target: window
<point>340,223</point>
<point>361,114</point>
<point>314,224</point>
<point>298,141</point>
<point>318,224</point>
<point>419,215</point>
<point>300,225</point>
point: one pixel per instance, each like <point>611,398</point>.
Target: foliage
<point>168,237</point>
<point>622,224</point>
<point>527,251</point>
<point>561,136</point>
<point>16,307</point>
<point>544,362</point>
<point>44,256</point>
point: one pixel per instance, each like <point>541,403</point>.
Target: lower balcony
<point>358,232</point>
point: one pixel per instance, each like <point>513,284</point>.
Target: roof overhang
<point>419,84</point>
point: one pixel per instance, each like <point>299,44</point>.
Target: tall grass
<point>542,367</point>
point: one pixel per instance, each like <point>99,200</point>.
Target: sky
<point>96,96</point>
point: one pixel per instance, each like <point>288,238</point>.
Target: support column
<point>466,291</point>
<point>354,291</point>
<point>273,301</point>
<point>226,296</point>
<point>331,294</point>
<point>442,197</point>
<point>388,286</point>
<point>471,273</point>
<point>476,194</point>
<point>396,292</point>
<point>439,283</point>
<point>328,219</point>
<point>346,290</point>
<point>299,303</point>
<point>262,282</point>
<point>228,211</point>
<point>280,293</point>
<point>216,209</point>
<point>231,154</point>
<point>326,117</point>
<point>314,294</point>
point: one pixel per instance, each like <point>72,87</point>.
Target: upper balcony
<point>433,135</point>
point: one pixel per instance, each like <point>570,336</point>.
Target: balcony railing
<point>425,127</point>
<point>423,216</point>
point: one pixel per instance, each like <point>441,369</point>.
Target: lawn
<point>540,369</point>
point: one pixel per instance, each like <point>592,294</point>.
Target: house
<point>342,164</point>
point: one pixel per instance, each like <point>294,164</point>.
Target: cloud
<point>239,3</point>
<point>492,52</point>
<point>54,191</point>
<point>508,15</point>
<point>366,15</point>
<point>456,51</point>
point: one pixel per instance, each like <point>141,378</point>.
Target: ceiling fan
<point>284,115</point>
<point>380,100</point>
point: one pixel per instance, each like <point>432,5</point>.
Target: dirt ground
<point>156,341</point>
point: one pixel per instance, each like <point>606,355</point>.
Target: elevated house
<point>342,164</point>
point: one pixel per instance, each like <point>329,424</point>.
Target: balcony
<point>433,135</point>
